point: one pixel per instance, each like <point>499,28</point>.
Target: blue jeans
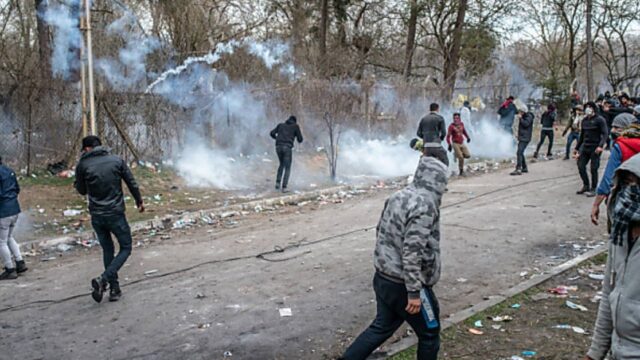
<point>573,136</point>
<point>391,301</point>
<point>104,226</point>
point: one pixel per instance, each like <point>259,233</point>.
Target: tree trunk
<point>324,23</point>
<point>411,39</point>
<point>590,88</point>
<point>453,57</point>
<point>44,39</point>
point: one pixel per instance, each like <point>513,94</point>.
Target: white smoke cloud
<point>67,38</point>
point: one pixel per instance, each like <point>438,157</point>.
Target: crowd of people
<point>407,250</point>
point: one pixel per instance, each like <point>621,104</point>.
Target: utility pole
<point>87,73</point>
<point>590,88</point>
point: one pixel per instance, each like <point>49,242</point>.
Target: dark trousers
<point>589,156</point>
<point>573,136</point>
<point>391,301</point>
<point>543,135</point>
<point>285,156</point>
<point>117,225</point>
<point>438,153</point>
<point>521,161</point>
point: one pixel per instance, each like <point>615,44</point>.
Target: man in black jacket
<point>432,130</point>
<point>100,174</point>
<point>285,134</point>
<point>548,120</point>
<point>525,131</point>
<point>593,137</point>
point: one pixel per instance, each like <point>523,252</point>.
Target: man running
<point>285,135</point>
<point>9,211</point>
<point>593,138</point>
<point>100,174</point>
<point>455,138</point>
<point>432,130</point>
<point>407,263</point>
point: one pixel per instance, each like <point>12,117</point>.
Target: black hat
<point>91,141</point>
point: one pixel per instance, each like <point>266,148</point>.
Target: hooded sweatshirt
<point>287,132</point>
<point>507,113</point>
<point>618,316</point>
<point>408,233</point>
<point>100,174</point>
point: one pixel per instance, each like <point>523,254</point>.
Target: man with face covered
<point>593,137</point>
<point>616,328</point>
<point>407,263</point>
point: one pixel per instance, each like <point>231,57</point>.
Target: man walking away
<point>432,130</point>
<point>525,131</point>
<point>507,113</point>
<point>285,134</point>
<point>455,138</point>
<point>626,143</point>
<point>9,210</point>
<point>465,116</point>
<point>407,262</point>
<point>573,128</point>
<point>548,120</point>
<point>616,329</point>
<point>593,138</point>
<point>100,174</point>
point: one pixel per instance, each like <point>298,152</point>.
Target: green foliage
<point>478,46</point>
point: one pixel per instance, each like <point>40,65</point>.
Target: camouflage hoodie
<point>408,234</point>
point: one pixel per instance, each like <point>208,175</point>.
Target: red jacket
<point>628,147</point>
<point>456,133</point>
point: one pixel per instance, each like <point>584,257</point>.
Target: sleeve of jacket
<point>15,178</point>
<point>80,184</point>
<point>601,341</point>
<point>501,110</point>
<point>415,247</point>
<point>128,178</point>
<point>615,160</point>
<point>464,132</point>
<point>449,134</point>
<point>580,140</point>
<point>604,132</point>
<point>299,134</point>
<point>274,132</point>
<point>443,129</point>
<point>419,132</point>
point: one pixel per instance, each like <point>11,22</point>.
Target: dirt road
<point>211,293</point>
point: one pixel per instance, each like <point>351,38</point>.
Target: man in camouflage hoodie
<point>407,262</point>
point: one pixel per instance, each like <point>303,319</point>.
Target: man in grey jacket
<point>617,327</point>
<point>432,130</point>
<point>407,262</point>
<point>99,175</point>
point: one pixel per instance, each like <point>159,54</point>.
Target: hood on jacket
<point>291,120</point>
<point>431,175</point>
<point>632,165</point>
<point>96,151</point>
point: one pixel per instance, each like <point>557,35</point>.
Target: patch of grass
<point>44,179</point>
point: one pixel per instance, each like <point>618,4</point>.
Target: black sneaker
<point>524,171</point>
<point>277,186</point>
<point>582,191</point>
<point>21,267</point>
<point>285,190</point>
<point>114,294</point>
<point>535,155</point>
<point>99,286</point>
<point>9,274</point>
<point>515,173</point>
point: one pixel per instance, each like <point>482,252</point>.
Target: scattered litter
<point>594,276</point>
<point>575,306</point>
<point>574,278</point>
<point>234,306</point>
<point>524,273</point>
<point>563,290</point>
<point>41,211</point>
<point>562,326</point>
<point>64,247</point>
<point>461,280</point>
<point>515,357</point>
<point>150,272</point>
<point>204,326</point>
<point>71,212</point>
<point>285,312</point>
<point>504,318</point>
<point>476,332</point>
<point>496,327</point>
<point>267,160</point>
<point>50,258</point>
<point>515,306</point>
<point>478,324</point>
<point>578,330</point>
<point>157,197</point>
<point>227,354</point>
<point>529,353</point>
<point>596,298</point>
<point>200,296</point>
<point>541,296</point>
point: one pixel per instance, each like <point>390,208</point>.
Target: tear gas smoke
<point>67,39</point>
